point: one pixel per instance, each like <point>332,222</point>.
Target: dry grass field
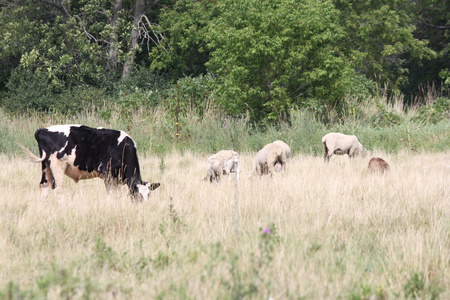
<point>319,231</point>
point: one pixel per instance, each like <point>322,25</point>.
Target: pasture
<point>319,231</point>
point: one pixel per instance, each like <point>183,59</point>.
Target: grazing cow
<point>270,159</point>
<point>340,144</point>
<point>223,162</point>
<point>81,152</point>
<point>378,165</point>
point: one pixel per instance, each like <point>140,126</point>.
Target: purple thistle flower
<point>266,231</point>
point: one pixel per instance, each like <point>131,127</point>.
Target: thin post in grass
<point>177,123</point>
<point>236,189</point>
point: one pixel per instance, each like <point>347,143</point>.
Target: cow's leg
<point>58,169</point>
<point>111,183</point>
<point>46,181</point>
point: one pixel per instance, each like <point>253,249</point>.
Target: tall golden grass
<point>336,231</point>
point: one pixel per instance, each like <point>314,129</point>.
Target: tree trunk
<point>133,46</point>
<point>114,48</point>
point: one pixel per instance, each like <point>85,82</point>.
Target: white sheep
<point>270,159</point>
<point>339,144</point>
<point>221,163</point>
<point>286,148</point>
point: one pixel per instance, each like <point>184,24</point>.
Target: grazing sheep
<point>223,162</point>
<point>339,144</point>
<point>286,148</point>
<point>270,159</point>
<point>378,165</point>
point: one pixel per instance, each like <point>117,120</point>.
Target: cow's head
<point>143,190</point>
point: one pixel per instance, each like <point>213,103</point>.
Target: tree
<point>273,55</point>
<point>183,49</point>
<point>113,55</point>
<point>62,41</point>
<point>140,21</point>
<point>380,39</point>
<point>432,21</point>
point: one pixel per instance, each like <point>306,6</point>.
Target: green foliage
<point>27,90</point>
<point>150,86</point>
<point>380,39</point>
<point>272,56</point>
<point>13,291</point>
<point>192,94</point>
<point>216,132</point>
<point>184,50</point>
<point>104,255</point>
<point>263,58</point>
<point>416,287</point>
<point>31,91</point>
<point>365,291</point>
<point>385,117</point>
<point>434,112</point>
<point>432,24</point>
<point>64,282</point>
<point>53,46</point>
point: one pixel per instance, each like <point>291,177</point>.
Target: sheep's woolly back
<point>267,157</point>
<point>220,158</point>
<point>286,148</point>
<point>338,143</point>
<point>339,138</point>
<point>221,163</point>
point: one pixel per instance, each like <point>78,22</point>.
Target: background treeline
<point>261,58</point>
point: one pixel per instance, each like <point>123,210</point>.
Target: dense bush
<point>434,112</point>
<point>31,91</point>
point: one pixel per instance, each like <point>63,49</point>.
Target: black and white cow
<point>81,152</point>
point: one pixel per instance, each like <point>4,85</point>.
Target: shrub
<point>434,112</point>
<point>192,94</point>
<point>27,90</point>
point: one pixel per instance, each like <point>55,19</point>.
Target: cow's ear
<point>153,186</point>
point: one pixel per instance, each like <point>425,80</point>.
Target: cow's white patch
<point>124,135</point>
<point>64,147</point>
<point>144,190</point>
<point>62,128</point>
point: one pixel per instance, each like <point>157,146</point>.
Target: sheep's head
<point>277,166</point>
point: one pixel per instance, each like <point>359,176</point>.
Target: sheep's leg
<point>271,168</point>
<point>326,158</point>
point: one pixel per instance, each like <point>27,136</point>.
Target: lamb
<point>339,144</point>
<point>270,159</point>
<point>378,165</point>
<point>223,162</point>
<point>286,148</point>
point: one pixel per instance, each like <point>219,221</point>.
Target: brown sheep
<point>378,165</point>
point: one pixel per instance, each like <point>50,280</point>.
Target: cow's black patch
<point>96,150</point>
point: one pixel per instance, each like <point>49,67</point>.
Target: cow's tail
<point>32,156</point>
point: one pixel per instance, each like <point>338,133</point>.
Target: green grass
<point>155,130</point>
